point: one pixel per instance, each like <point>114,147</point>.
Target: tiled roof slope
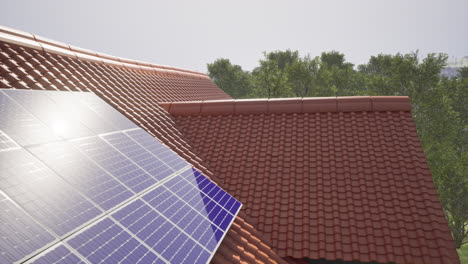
<point>134,88</point>
<point>325,178</point>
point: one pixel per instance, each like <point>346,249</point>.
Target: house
<point>323,179</point>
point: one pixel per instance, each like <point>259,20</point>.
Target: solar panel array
<point>80,183</point>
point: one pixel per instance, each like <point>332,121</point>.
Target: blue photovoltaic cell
<point>106,111</point>
<point>115,163</point>
<point>6,143</point>
<point>82,173</point>
<point>161,234</point>
<point>59,255</point>
<point>43,194</point>
<point>107,242</point>
<point>20,125</point>
<point>143,158</point>
<point>192,220</point>
<point>62,123</point>
<point>212,190</point>
<point>20,234</point>
<point>158,149</point>
<point>200,202</point>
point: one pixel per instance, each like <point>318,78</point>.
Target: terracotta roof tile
<point>133,88</point>
<point>349,184</point>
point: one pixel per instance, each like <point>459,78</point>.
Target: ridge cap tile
<point>18,40</point>
<point>287,105</point>
<point>354,103</point>
<point>306,105</point>
<point>251,106</point>
<point>218,107</point>
<point>16,32</point>
<point>34,41</point>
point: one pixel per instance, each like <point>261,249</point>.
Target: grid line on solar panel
<point>59,254</point>
<point>160,233</point>
<point>107,241</point>
<point>218,195</point>
<point>6,143</point>
<point>61,121</point>
<point>172,209</point>
<point>20,125</point>
<point>77,110</point>
<point>103,109</point>
<point>117,164</point>
<point>82,173</point>
<point>139,155</point>
<point>43,194</point>
<point>204,205</point>
<point>153,145</point>
<point>21,235</point>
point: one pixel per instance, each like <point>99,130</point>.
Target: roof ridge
<point>290,105</point>
<point>22,38</point>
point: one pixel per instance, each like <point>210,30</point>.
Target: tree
<point>303,75</point>
<point>270,79</point>
<point>282,58</point>
<point>463,72</point>
<point>336,76</point>
<point>230,78</point>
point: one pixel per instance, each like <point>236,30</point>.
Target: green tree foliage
<point>231,78</point>
<point>271,79</point>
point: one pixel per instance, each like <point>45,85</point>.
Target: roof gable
<point>349,183</point>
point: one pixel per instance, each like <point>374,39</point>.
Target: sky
<point>190,34</point>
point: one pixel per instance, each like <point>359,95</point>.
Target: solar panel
<point>43,194</point>
<point>77,110</point>
<point>83,174</point>
<point>60,120</point>
<point>21,235</point>
<point>108,242</point>
<point>59,255</point>
<point>127,172</point>
<point>6,143</point>
<point>161,234</point>
<point>20,125</point>
<point>106,111</point>
<point>98,189</point>
<point>139,155</point>
<point>155,147</point>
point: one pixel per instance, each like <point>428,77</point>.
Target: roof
<point>325,178</point>
<point>134,88</point>
<point>331,178</point>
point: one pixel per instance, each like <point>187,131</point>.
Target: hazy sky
<point>190,34</point>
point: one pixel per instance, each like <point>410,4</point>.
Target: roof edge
<point>22,38</point>
<point>290,105</point>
